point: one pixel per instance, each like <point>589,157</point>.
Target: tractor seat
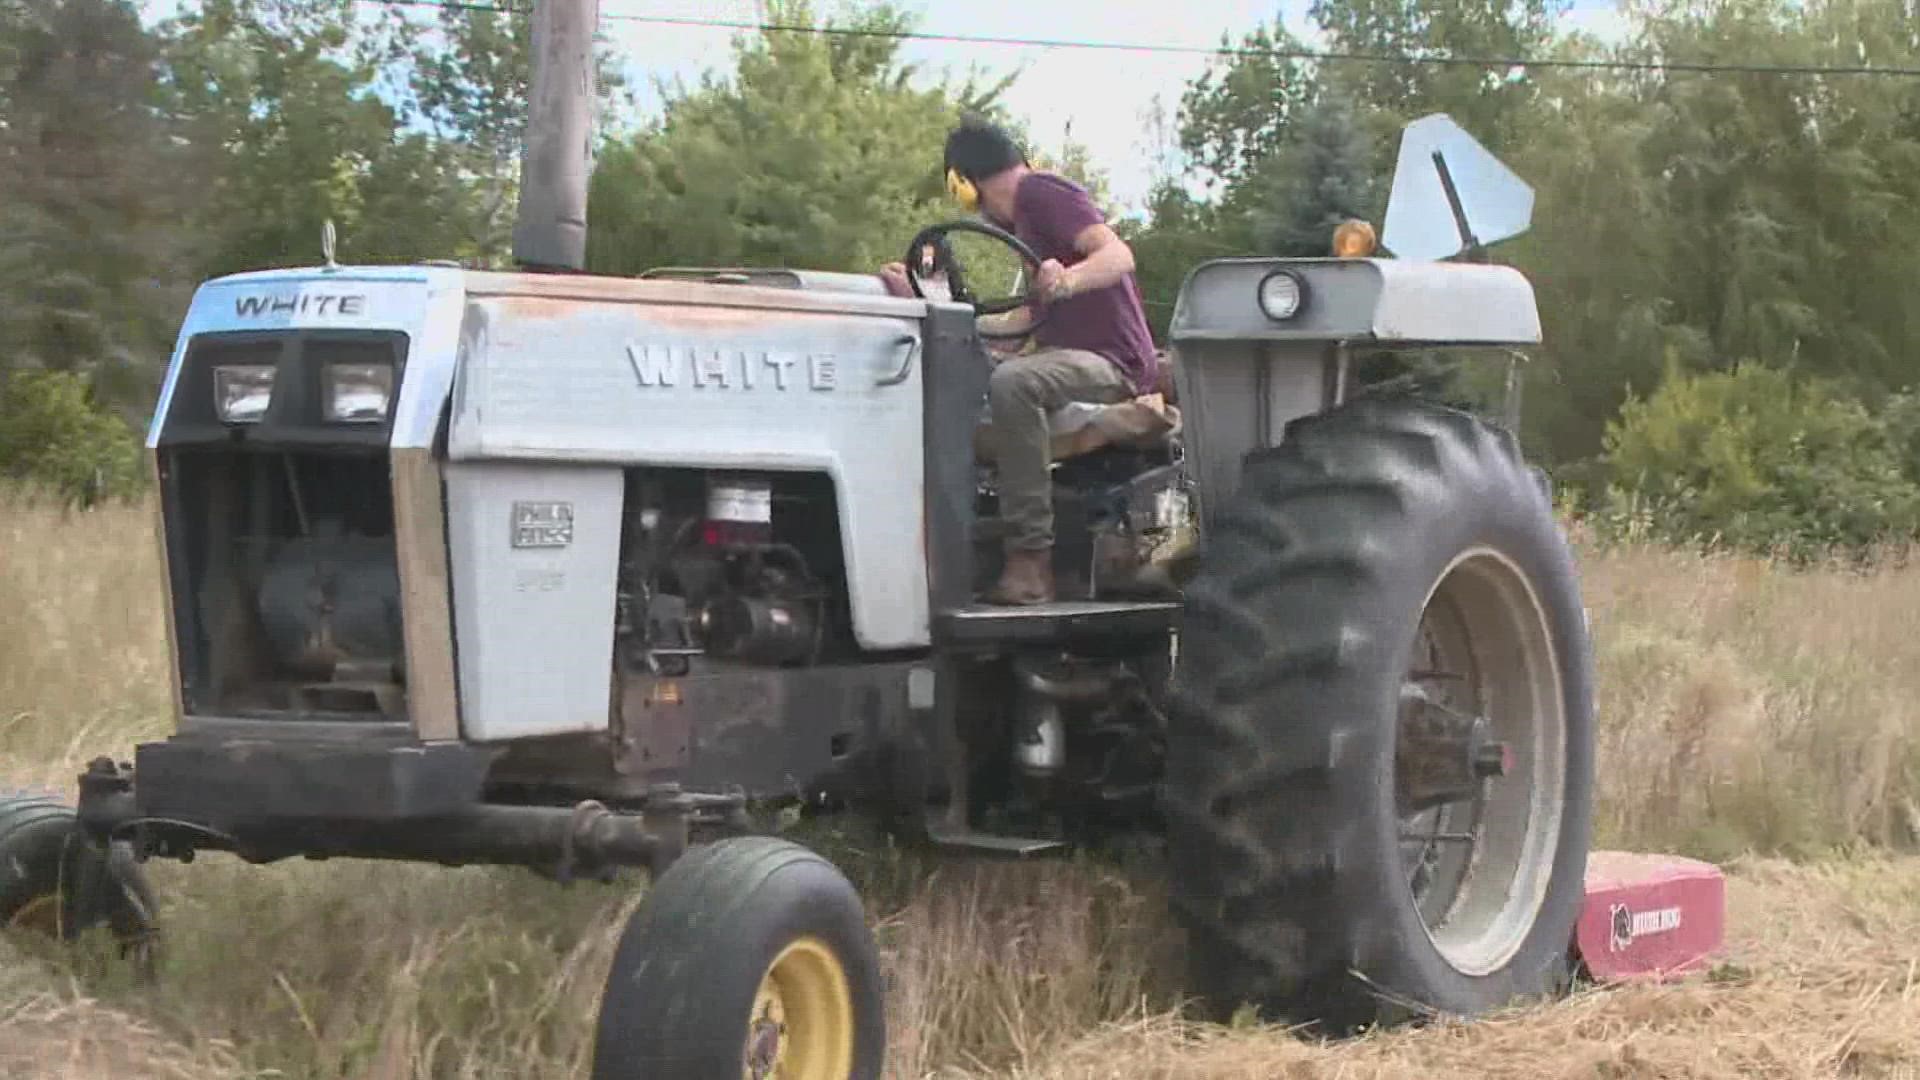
<point>1078,427</point>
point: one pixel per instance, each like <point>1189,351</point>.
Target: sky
<point>1101,97</point>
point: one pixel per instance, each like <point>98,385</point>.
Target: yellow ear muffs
<point>963,191</point>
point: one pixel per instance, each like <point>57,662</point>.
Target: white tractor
<point>577,572</point>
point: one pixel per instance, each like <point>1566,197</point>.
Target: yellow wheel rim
<point>802,1022</point>
<point>40,914</point>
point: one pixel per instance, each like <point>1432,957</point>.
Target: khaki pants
<point>1021,392</point>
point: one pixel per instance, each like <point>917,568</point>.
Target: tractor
<point>581,573</point>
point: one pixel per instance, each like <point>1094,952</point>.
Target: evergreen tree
<point>1321,175</point>
<point>88,240</point>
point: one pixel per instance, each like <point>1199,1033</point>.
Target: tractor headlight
<point>241,392</point>
<point>1282,294</point>
<point>357,393</point>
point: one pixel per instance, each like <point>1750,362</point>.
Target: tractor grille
<point>280,532</point>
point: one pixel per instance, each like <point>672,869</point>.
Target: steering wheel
<point>956,277</point>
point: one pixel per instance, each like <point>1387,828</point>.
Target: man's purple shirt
<point>1049,211</point>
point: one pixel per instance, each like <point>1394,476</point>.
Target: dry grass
<point>82,645</point>
<point>995,975</point>
<point>1743,709</point>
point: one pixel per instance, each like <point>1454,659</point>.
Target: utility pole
<point>550,226</point>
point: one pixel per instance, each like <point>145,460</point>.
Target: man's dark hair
<point>978,149</point>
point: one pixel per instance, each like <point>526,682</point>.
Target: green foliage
<point>1320,176</point>
<point>52,435</point>
<point>86,231</point>
<point>1759,459</point>
<point>1184,233</point>
<point>1237,113</point>
<point>274,95</point>
<point>1496,105</point>
<point>471,92</point>
<point>1682,221</point>
<point>817,153</point>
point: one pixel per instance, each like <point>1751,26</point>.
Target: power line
<point>1237,51</point>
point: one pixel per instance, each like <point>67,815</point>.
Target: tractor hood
<point>420,303</point>
<point>581,377</point>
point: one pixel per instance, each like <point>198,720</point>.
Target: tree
<point>470,89</point>
<point>88,250</point>
<point>819,152</point>
<point>1075,162</point>
<point>53,434</point>
<point>1236,114</point>
<point>1598,257</point>
<point>1761,459</point>
<point>1180,233</point>
<point>277,99</point>
<point>1319,176</point>
<point>1494,105</point>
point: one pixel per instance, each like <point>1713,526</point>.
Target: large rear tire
<point>750,959</point>
<point>1380,770</point>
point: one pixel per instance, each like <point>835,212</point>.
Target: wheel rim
<point>1478,865</point>
<point>40,915</point>
<point>802,1023</point>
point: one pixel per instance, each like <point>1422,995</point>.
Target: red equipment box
<point>1650,916</point>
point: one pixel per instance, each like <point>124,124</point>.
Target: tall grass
<point>1743,708</point>
<point>83,665</point>
<point>1742,705</point>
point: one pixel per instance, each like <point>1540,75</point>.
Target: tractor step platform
<point>1650,917</point>
<point>1019,847</point>
<point>989,624</point>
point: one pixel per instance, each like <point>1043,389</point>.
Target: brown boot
<point>1026,579</point>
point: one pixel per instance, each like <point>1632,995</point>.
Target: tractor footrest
<point>987,624</point>
<point>1018,847</point>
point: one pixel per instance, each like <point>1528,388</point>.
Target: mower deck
<point>1649,916</point>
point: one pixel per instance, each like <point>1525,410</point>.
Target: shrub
<point>1758,459</point>
<point>53,435</point>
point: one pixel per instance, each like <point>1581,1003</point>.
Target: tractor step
<point>1019,847</point>
<point>986,624</point>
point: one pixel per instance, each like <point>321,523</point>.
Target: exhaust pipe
<point>550,226</point>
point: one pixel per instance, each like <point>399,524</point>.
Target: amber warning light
<point>1354,239</point>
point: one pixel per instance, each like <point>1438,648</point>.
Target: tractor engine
<point>729,568</point>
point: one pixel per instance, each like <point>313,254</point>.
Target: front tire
<point>56,883</point>
<point>751,959</point>
<point>1384,656</point>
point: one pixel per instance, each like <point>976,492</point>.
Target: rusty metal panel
<point>425,595</point>
<point>769,731</point>
<point>693,294</point>
<point>178,695</point>
<point>725,377</point>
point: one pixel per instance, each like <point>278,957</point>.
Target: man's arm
<point>1020,318</point>
<point>894,277</point>
<point>1108,260</point>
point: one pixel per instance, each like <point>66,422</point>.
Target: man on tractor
<point>1093,347</point>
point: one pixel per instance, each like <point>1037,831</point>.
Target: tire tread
<point>1273,649</point>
